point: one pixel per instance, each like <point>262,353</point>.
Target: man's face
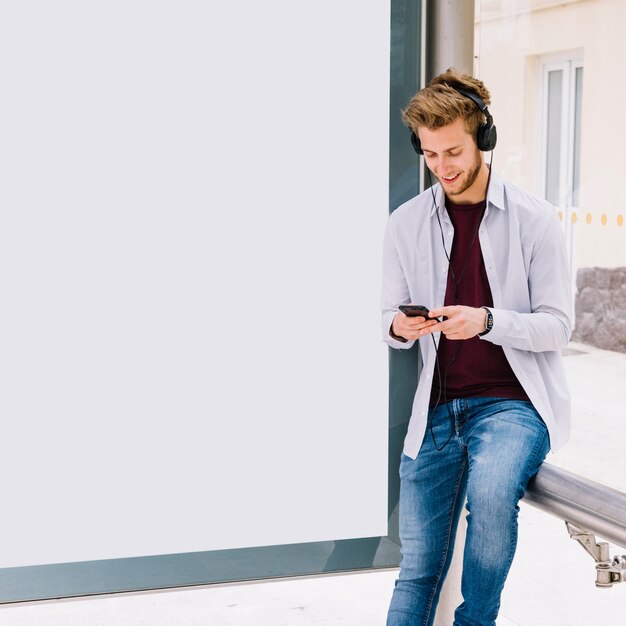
<point>452,156</point>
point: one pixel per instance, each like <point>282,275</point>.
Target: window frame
<point>568,64</point>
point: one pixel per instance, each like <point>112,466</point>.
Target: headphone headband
<point>474,97</point>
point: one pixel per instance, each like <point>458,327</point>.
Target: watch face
<point>488,321</point>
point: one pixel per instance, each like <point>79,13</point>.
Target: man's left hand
<point>464,322</point>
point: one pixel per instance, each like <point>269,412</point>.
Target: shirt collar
<point>495,194</point>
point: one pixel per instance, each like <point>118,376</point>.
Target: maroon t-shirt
<point>471,367</point>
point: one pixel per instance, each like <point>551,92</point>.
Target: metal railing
<point>588,508</point>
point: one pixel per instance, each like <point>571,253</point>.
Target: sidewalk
<point>551,581</point>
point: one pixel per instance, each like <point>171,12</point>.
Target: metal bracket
<point>608,572</point>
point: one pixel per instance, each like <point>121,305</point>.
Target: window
<point>561,109</point>
<point>561,100</point>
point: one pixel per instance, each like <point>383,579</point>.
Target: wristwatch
<point>488,322</point>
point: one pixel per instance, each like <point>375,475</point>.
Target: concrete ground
<point>551,581</point>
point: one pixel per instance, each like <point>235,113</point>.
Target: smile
<point>452,178</point>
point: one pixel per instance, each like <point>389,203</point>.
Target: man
<point>489,262</point>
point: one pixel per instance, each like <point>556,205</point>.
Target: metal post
<point>449,36</point>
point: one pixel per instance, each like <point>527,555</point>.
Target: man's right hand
<point>409,327</point>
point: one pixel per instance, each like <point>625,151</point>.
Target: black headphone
<point>486,136</point>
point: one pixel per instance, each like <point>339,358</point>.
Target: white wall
<point>514,36</point>
<point>193,197</point>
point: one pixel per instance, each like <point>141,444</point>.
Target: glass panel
<point>533,56</point>
<point>553,136</point>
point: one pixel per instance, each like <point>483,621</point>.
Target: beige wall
<point>511,37</point>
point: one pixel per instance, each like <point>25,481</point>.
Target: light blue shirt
<point>524,253</point>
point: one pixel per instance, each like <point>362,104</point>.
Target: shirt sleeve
<point>395,290</point>
<point>549,326</point>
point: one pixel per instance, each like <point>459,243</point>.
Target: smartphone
<point>414,310</point>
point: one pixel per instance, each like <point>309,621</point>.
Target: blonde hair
<point>439,104</point>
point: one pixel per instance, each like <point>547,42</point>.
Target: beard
<point>468,180</point>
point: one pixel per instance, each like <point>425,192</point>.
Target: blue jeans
<point>497,445</point>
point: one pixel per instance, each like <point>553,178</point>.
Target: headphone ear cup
<point>415,142</point>
<point>487,137</point>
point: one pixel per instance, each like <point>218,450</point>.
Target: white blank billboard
<point>192,203</point>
